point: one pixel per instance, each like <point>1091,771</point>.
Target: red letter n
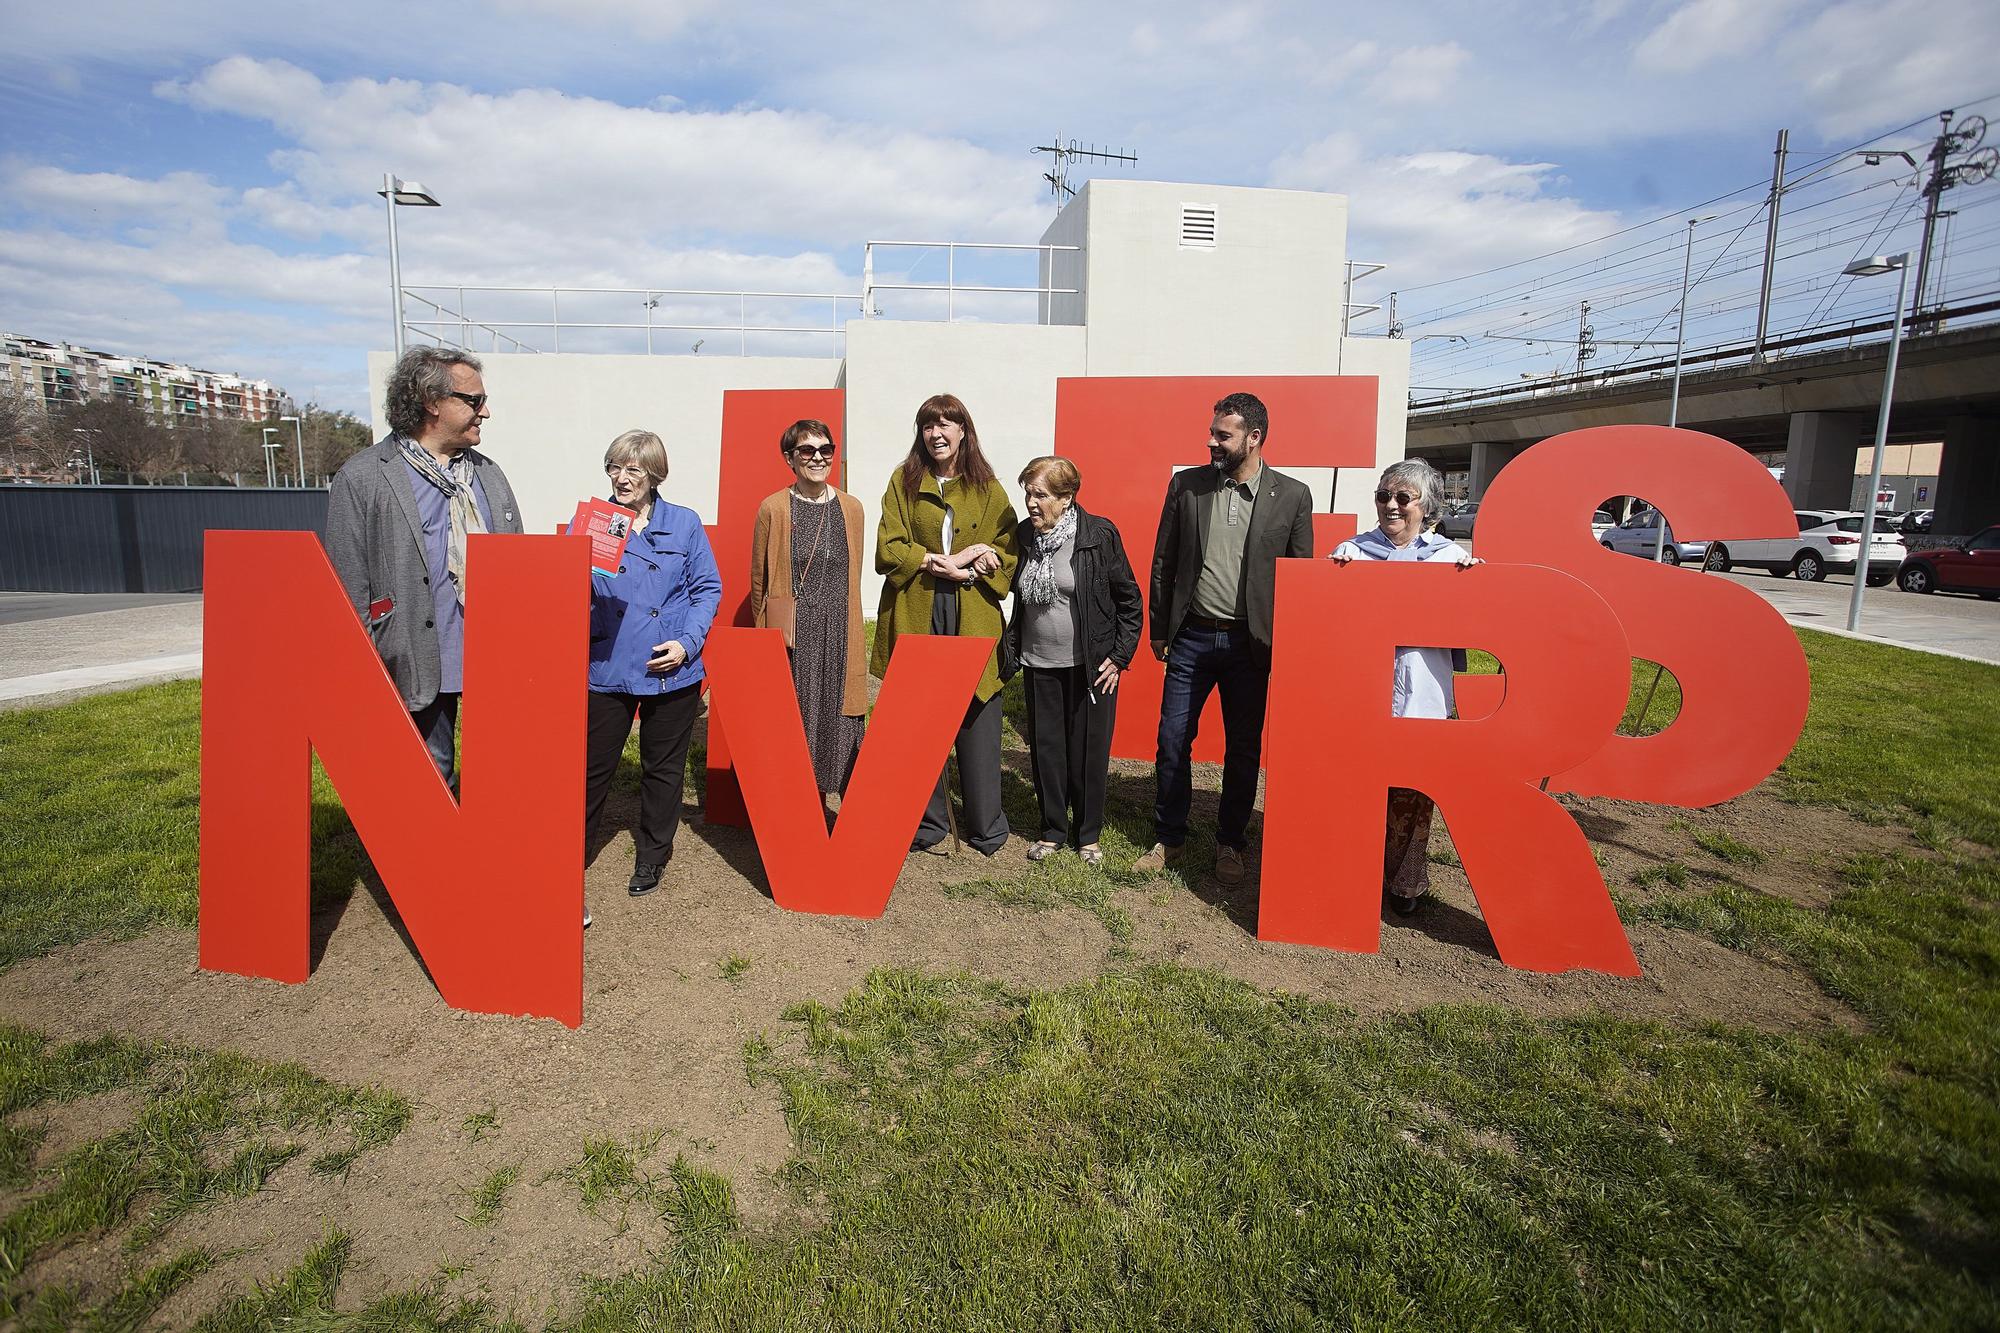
<point>489,887</point>
<point>1333,750</point>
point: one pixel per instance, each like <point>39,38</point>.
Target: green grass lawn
<point>1164,1147</point>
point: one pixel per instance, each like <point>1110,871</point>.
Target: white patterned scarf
<point>456,483</point>
<point>1037,580</point>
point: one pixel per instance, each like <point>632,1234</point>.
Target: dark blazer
<point>376,544</point>
<point>1280,525</point>
<point>1106,605</point>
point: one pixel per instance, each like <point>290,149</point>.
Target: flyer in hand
<point>608,526</point>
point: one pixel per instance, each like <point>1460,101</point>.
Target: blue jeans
<point>437,723</point>
<point>1198,661</point>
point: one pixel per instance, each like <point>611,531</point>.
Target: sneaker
<point>1162,857</point>
<point>1041,851</point>
<point>1228,865</point>
<point>645,878</point>
<point>586,918</point>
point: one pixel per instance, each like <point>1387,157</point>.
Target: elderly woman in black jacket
<point>1075,628</point>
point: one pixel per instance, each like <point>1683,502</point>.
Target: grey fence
<point>132,538</point>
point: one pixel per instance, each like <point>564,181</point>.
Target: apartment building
<point>50,375</point>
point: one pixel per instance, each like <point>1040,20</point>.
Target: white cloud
<point>1866,65</point>
<point>1439,214</point>
<point>1703,31</point>
<point>1421,73</point>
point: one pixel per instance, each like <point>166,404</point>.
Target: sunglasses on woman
<point>812,451</point>
<point>1402,498</point>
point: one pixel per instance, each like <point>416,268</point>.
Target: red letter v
<point>851,872</point>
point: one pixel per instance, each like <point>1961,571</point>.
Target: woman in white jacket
<point>1407,499</point>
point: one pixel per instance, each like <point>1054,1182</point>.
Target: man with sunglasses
<point>398,518</point>
<point>1215,573</point>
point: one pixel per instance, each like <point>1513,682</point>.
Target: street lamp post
<point>1868,268</point>
<point>299,431</point>
<point>89,453</point>
<point>1680,347</point>
<point>270,463</point>
<point>408,194</point>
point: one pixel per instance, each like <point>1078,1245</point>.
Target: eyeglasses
<point>812,451</point>
<point>1402,498</point>
<point>475,401</point>
<point>635,473</point>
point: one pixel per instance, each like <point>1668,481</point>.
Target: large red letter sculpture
<point>489,887</point>
<point>751,468</point>
<point>1743,677</point>
<point>851,872</point>
<point>1334,750</point>
<point>1128,436</point>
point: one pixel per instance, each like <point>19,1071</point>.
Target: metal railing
<point>451,317</point>
<point>648,299</point>
<point>951,287</point>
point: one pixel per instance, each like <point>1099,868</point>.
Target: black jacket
<point>1106,605</point>
<point>1280,525</point>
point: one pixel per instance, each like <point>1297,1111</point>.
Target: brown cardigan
<point>771,567</point>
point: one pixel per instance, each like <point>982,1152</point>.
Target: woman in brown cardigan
<point>805,571</point>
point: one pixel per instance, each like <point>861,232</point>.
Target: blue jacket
<point>667,587</point>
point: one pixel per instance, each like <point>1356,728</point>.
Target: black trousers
<point>666,721</point>
<point>978,745</point>
<point>1069,741</point>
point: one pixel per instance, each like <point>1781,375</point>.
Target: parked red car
<point>1971,567</point>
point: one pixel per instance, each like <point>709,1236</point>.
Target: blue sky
<point>196,182</point>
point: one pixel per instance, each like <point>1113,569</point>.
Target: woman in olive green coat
<point>946,551</point>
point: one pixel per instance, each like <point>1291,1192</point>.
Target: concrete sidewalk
<point>57,647</point>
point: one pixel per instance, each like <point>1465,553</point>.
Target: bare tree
<point>24,437</point>
<point>118,436</point>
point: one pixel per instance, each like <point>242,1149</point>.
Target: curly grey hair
<point>420,378</point>
<point>1421,477</point>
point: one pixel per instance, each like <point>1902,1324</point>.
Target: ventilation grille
<point>1197,227</point>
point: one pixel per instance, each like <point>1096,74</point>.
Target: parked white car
<point>1829,542</point>
<point>1640,534</point>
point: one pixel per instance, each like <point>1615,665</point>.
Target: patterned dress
<point>819,663</point>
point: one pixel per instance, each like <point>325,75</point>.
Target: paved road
<point>17,607</point>
<point>1956,623</point>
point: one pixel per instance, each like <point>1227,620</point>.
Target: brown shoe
<point>1228,865</point>
<point>1162,857</point>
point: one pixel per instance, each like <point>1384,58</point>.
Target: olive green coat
<point>913,526</point>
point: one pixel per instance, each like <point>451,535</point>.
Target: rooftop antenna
<point>1072,151</point>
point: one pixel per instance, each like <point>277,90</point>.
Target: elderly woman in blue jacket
<point>648,623</point>
<point>1408,499</point>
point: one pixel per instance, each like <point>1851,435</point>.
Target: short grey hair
<point>1426,480</point>
<point>422,376</point>
<point>643,447</point>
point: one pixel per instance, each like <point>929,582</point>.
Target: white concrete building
<point>1162,279</point>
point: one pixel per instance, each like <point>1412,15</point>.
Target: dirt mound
<point>677,982</point>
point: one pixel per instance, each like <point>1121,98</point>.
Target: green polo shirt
<point>1218,592</point>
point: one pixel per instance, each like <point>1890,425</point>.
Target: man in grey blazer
<point>1215,574</point>
<point>399,514</point>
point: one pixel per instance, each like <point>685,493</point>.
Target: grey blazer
<point>1280,526</point>
<point>376,543</point>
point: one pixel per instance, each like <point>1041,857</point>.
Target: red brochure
<point>609,527</point>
